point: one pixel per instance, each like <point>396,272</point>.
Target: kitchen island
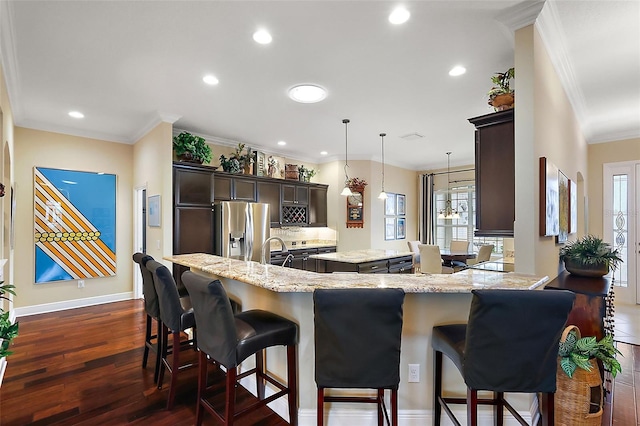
<point>365,261</point>
<point>430,299</point>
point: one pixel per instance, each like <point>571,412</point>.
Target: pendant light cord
<point>346,150</point>
<point>382,135</point>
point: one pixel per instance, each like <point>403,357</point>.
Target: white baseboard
<point>72,304</point>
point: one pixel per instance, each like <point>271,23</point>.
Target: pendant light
<point>448,212</point>
<point>383,195</point>
<point>346,191</point>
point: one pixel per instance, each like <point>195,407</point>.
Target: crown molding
<point>160,117</point>
<point>9,60</point>
<point>519,16</point>
<point>555,43</point>
<point>71,131</point>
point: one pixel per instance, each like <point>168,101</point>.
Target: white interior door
<point>140,235</point>
<point>621,224</point>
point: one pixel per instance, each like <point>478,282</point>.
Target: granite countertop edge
<point>288,280</point>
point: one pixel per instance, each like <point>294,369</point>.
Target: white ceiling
<point>126,64</point>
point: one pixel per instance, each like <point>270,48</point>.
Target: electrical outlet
<point>80,283</point>
<point>414,373</point>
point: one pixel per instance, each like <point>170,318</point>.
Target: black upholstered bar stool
<point>177,316</point>
<point>229,339</point>
<point>152,309</point>
<point>357,345</point>
<point>510,344</point>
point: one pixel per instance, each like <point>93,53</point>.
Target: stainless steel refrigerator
<point>240,229</point>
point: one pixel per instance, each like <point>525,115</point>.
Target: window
<point>463,200</point>
<point>620,225</point>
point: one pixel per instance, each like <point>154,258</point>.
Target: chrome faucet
<point>267,243</point>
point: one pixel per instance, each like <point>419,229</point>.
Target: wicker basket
<point>578,400</point>
<point>291,171</point>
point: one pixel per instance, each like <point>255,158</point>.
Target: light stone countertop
<point>361,256</point>
<point>288,280</point>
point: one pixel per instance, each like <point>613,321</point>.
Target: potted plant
<point>589,256</point>
<point>576,352</point>
<point>305,174</point>
<point>191,148</point>
<point>8,329</point>
<point>238,162</point>
<point>501,96</point>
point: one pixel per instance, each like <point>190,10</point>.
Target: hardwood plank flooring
<point>83,367</point>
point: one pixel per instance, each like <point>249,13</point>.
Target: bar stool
<point>177,316</point>
<point>510,344</point>
<point>152,309</point>
<point>357,345</point>
<point>229,339</point>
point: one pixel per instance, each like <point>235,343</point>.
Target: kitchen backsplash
<point>301,235</point>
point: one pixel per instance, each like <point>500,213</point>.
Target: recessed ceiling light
<point>262,37</point>
<point>323,152</point>
<point>457,70</point>
<point>76,114</point>
<point>282,143</point>
<point>400,15</point>
<point>307,93</point>
<point>210,79</point>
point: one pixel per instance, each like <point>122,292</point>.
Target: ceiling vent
<point>412,136</point>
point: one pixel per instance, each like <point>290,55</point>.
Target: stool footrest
<point>371,399</point>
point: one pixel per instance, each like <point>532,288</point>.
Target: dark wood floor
<point>83,367</point>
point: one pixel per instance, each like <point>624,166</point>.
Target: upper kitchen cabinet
<point>295,194</point>
<point>269,192</point>
<point>495,174</point>
<point>295,205</point>
<point>230,188</point>
<point>318,205</point>
<point>192,186</point>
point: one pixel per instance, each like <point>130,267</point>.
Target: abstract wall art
<point>74,224</point>
<point>549,217</point>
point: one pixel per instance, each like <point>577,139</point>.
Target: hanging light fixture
<point>383,195</point>
<point>346,191</point>
<point>448,212</point>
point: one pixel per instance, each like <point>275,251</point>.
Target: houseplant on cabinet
<point>191,148</point>
<point>501,96</point>
<point>589,256</point>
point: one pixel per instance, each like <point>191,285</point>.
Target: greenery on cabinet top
<point>192,166</point>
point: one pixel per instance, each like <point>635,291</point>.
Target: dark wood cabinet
<point>318,206</point>
<point>295,194</point>
<point>192,212</point>
<point>495,174</point>
<point>295,205</point>
<point>269,192</point>
<point>301,259</point>
<point>228,188</point>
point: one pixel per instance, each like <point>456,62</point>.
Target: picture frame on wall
<point>573,207</point>
<point>400,228</point>
<point>400,205</point>
<point>154,211</point>
<point>390,204</point>
<point>549,199</point>
<point>563,208</point>
<point>389,228</point>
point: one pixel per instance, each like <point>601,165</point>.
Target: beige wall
<point>44,149</point>
<point>599,154</point>
<point>545,126</point>
<point>152,156</point>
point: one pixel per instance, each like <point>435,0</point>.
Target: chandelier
<point>448,212</point>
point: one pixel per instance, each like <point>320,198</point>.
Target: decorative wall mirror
<point>355,207</point>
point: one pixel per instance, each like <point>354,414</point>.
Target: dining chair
<point>415,249</point>
<point>484,254</point>
<point>431,261</point>
<point>460,246</point>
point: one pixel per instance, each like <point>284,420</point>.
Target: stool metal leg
<point>437,391</point>
<point>472,407</point>
<point>147,342</point>
<point>175,367</point>
<point>292,384</point>
<point>320,407</point>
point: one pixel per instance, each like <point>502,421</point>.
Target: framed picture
<point>154,211</point>
<point>400,229</point>
<point>549,216</point>
<point>390,204</point>
<point>573,207</point>
<point>563,208</point>
<point>389,228</point>
<point>400,209</point>
<point>260,164</point>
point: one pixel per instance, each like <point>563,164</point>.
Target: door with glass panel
<point>621,225</point>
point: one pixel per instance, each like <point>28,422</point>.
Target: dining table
<point>449,256</point>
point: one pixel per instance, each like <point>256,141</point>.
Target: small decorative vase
<point>189,158</point>
<point>577,268</point>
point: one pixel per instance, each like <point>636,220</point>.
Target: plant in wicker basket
<point>576,352</point>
